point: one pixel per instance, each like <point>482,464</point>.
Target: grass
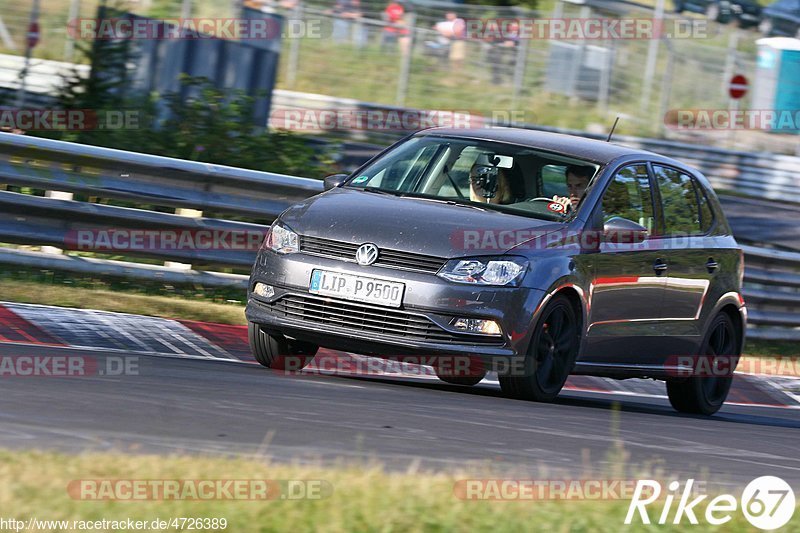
<point>121,302</point>
<point>363,498</point>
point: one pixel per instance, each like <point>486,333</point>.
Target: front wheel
<point>705,394</point>
<point>551,356</point>
<point>278,352</point>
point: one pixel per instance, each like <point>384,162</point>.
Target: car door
<point>627,287</point>
<point>691,257</point>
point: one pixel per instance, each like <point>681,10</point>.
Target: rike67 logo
<point>767,503</point>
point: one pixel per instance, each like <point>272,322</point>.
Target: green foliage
<point>211,125</point>
<point>162,9</point>
<point>529,4</point>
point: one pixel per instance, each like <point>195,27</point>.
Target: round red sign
<point>33,34</point>
<point>737,87</point>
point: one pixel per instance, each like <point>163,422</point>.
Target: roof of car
<point>569,145</point>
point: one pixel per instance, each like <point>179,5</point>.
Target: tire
<point>705,394</point>
<point>277,352</point>
<point>551,355</point>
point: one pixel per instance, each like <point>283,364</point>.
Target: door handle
<point>711,265</point>
<point>660,266</point>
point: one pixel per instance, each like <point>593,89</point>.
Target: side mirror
<point>334,180</point>
<point>623,231</point>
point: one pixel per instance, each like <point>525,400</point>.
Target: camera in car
<point>485,179</point>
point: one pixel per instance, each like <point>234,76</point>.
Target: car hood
<point>412,225</point>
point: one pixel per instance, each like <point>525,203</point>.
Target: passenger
<point>502,195</point>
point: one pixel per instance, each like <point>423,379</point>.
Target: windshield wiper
<point>378,190</point>
<point>453,202</point>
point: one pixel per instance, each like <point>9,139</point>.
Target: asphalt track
<point>206,406</point>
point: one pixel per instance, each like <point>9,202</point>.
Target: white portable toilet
<point>777,84</point>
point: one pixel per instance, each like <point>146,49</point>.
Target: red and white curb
<point>120,332</point>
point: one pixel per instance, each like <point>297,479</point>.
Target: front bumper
<point>421,326</point>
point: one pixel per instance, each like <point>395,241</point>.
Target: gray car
<point>530,254</point>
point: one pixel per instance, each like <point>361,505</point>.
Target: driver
<point>578,177</point>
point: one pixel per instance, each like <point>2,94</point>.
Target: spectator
<point>396,29</point>
<point>503,52</point>
<point>458,46</point>
<point>450,39</point>
<point>346,24</point>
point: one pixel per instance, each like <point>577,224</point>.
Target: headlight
<point>281,239</point>
<point>485,270</point>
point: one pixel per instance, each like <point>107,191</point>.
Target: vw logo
<point>366,254</point>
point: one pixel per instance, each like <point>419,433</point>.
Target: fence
<point>772,277</point>
<point>565,83</point>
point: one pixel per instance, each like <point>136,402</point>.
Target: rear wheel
<point>705,394</point>
<point>551,355</point>
<point>278,352</point>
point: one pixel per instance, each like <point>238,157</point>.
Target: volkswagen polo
<point>539,255</point>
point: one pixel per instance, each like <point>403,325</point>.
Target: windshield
<point>491,175</point>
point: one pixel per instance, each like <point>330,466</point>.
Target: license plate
<point>357,288</point>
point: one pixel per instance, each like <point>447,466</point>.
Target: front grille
<point>368,318</point>
<point>386,258</point>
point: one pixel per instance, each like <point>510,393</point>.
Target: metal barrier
<point>772,277</point>
<point>766,175</point>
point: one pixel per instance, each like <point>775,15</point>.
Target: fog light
<point>264,290</point>
<point>477,325</point>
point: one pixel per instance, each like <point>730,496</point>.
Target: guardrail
<point>761,174</point>
<point>765,175</point>
<point>772,277</point>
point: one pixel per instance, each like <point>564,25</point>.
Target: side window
<point>706,215</point>
<point>679,198</point>
<point>628,196</point>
